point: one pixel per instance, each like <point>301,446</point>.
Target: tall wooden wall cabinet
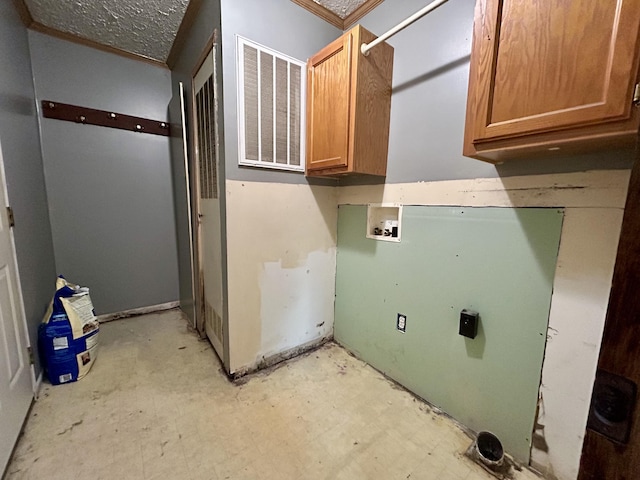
<point>548,76</point>
<point>348,107</point>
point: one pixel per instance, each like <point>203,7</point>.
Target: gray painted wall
<point>110,191</point>
<point>430,80</point>
<point>285,27</point>
<point>23,164</point>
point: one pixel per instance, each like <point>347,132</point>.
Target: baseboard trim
<point>37,386</point>
<point>110,317</point>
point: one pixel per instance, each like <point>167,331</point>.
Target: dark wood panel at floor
<point>603,459</point>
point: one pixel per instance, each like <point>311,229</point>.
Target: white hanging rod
<point>401,26</point>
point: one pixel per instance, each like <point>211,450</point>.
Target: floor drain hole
<point>489,449</point>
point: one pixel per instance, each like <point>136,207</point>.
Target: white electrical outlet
<point>401,323</point>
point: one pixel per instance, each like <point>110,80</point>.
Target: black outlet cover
<point>469,323</point>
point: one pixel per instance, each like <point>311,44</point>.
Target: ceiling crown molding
<point>188,19</point>
<point>360,12</point>
<point>322,12</point>
<point>30,23</point>
<point>333,18</point>
<point>23,11</point>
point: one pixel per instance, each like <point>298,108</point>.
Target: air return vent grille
<point>214,320</point>
<point>270,102</point>
<point>205,119</point>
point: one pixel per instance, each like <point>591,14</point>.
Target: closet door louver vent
<point>214,320</point>
<point>205,114</point>
<point>271,121</point>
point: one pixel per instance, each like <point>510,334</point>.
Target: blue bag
<point>68,335</point>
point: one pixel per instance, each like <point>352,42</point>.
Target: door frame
<point>620,351</point>
<point>182,125</point>
<point>35,381</point>
<point>27,348</point>
<point>198,275</point>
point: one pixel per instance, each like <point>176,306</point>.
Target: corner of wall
<point>21,143</point>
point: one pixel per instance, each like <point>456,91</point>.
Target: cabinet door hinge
<point>636,95</point>
<point>30,353</point>
<point>12,221</point>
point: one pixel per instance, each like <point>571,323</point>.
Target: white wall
<point>581,291</point>
<point>594,204</point>
<point>281,246</point>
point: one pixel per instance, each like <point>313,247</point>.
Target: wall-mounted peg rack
<point>103,118</point>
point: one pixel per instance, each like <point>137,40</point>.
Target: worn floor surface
<point>157,406</point>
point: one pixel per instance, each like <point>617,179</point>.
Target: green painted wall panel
<point>498,261</point>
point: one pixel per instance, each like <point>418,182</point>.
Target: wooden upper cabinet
<point>549,75</point>
<point>329,104</point>
<point>348,107</point>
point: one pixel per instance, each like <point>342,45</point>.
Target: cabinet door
<point>328,108</point>
<point>543,65</point>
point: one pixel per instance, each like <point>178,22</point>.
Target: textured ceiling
<point>146,28</point>
<point>342,8</point>
<point>142,27</point>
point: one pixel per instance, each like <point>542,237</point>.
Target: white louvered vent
<point>205,115</point>
<point>214,320</point>
<point>271,89</point>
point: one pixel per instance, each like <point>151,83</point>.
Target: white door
<point>209,236</point>
<point>16,389</point>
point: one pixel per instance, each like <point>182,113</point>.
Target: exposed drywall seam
<point>592,189</point>
<point>593,202</point>
<point>298,220</point>
<point>582,283</point>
